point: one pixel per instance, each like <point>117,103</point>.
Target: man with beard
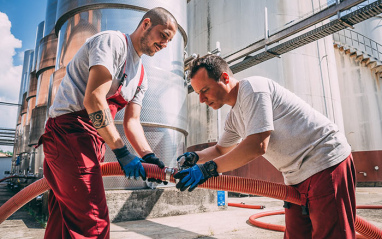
<point>306,147</point>
<point>105,76</point>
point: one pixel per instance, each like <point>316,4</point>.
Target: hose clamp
<point>169,172</point>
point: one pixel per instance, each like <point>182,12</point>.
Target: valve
<point>364,173</point>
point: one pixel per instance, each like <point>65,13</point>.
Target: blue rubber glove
<point>187,160</point>
<point>196,175</point>
<point>130,163</point>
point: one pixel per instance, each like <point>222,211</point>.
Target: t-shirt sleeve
<point>107,50</point>
<point>138,98</point>
<point>257,113</point>
<point>229,136</point>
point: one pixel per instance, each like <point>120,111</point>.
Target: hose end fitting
<point>169,172</point>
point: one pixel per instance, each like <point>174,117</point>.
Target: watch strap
<point>209,169</point>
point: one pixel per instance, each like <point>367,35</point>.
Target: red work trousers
<point>330,197</point>
<point>77,203</point>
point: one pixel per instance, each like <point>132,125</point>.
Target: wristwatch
<point>211,168</point>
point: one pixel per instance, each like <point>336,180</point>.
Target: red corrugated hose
<point>274,227</point>
<point>3,179</point>
<point>223,182</point>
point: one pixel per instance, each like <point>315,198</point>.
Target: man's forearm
<point>247,150</point>
<point>136,136</point>
<point>104,124</point>
<point>213,152</point>
<point>95,103</point>
<point>208,154</point>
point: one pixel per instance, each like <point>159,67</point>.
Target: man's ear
<point>225,77</point>
<point>146,23</point>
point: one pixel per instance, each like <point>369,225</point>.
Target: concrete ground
<point>229,223</point>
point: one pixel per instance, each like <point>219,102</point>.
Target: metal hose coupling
<point>169,172</point>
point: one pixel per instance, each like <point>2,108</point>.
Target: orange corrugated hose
<point>223,182</point>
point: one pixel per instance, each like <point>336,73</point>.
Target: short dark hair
<point>215,66</point>
<point>158,16</point>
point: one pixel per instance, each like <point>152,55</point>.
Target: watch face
<point>211,167</point>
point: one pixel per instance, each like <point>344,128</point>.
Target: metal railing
<point>365,3</point>
<point>7,136</point>
<point>359,43</point>
<point>327,29</point>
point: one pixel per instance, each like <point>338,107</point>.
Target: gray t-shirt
<point>108,49</point>
<point>302,142</point>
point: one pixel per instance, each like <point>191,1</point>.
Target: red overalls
<point>330,197</point>
<point>73,151</point>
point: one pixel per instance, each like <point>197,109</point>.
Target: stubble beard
<point>145,44</point>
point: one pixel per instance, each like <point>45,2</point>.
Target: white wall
<point>5,165</point>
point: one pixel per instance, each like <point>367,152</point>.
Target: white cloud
<point>10,75</point>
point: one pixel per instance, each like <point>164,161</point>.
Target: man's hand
<point>153,159</point>
<point>130,163</point>
<point>187,159</point>
<point>196,175</point>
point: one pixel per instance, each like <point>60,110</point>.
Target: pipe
<point>246,206</point>
<point>223,182</point>
<point>13,176</point>
<point>18,176</point>
<point>369,206</point>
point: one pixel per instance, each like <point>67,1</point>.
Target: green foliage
<point>6,152</point>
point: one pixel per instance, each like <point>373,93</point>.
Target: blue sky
<point>18,23</point>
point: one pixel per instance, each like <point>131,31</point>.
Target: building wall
<point>5,165</point>
<point>361,97</point>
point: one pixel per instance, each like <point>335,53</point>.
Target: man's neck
<point>233,92</point>
<point>135,40</point>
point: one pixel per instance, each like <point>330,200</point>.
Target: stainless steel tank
<point>26,112</point>
<point>22,109</point>
<point>39,35</point>
<point>48,44</point>
<point>31,95</point>
<point>28,59</point>
<point>54,83</point>
<point>164,112</point>
<point>50,17</point>
<point>31,103</point>
<point>24,132</point>
<point>45,67</point>
<point>47,53</point>
<point>31,99</point>
<point>39,116</point>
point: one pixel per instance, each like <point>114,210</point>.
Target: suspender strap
<point>124,72</point>
<point>141,77</point>
<point>124,65</point>
<point>140,81</point>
